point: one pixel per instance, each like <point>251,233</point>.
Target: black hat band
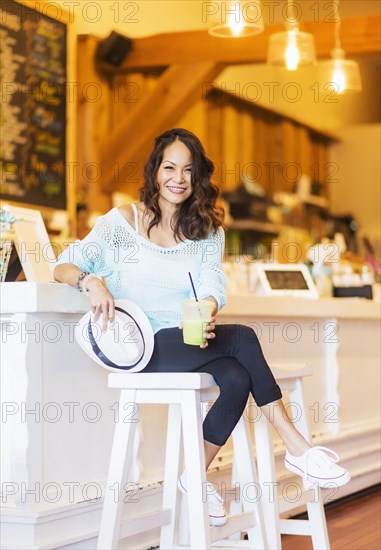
<point>99,353</point>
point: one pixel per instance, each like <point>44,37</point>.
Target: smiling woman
<point>178,169</point>
<point>144,252</point>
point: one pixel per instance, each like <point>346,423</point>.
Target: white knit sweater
<point>154,277</point>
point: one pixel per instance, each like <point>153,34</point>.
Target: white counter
<point>44,297</point>
<point>340,308</point>
<point>25,297</point>
<point>58,414</point>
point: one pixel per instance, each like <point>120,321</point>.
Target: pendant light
<point>235,19</point>
<point>292,48</point>
<point>339,73</point>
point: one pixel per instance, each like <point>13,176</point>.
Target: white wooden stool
<point>184,393</point>
<point>290,379</point>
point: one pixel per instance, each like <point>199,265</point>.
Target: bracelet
<point>78,285</point>
<point>85,280</point>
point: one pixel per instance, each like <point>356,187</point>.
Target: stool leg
<point>235,506</point>
<point>247,476</point>
<point>316,517</point>
<point>296,397</point>
<point>268,481</point>
<point>183,528</point>
<point>195,468</point>
<point>315,509</point>
<point>117,476</point>
<point>171,472</point>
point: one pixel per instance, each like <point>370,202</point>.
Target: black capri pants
<point>235,360</point>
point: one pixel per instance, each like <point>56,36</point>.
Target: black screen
<point>286,280</point>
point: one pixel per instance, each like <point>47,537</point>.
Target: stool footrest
<point>307,496</point>
<point>235,524</point>
<point>295,527</point>
<point>136,525</point>
<point>230,544</point>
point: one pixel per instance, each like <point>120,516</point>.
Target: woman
<point>144,252</point>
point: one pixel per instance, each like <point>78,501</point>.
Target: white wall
<point>357,190</point>
<point>296,94</point>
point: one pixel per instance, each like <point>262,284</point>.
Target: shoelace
<point>214,494</point>
<point>322,453</point>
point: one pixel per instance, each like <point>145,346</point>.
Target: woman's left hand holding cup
<point>209,332</point>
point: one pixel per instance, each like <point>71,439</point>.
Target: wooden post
<point>94,99</point>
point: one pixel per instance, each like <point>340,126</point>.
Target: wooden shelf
<point>252,225</point>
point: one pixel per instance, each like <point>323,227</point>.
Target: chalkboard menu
<point>33,106</point>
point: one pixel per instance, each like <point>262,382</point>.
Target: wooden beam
<point>359,36</point>
<point>124,151</point>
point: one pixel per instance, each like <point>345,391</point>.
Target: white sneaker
<point>317,466</point>
<point>217,512</point>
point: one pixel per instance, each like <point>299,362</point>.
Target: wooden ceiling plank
<point>128,145</point>
<point>360,36</point>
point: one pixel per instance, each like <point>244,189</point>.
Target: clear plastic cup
<point>196,315</point>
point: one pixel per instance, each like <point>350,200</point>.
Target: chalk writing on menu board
<point>33,110</point>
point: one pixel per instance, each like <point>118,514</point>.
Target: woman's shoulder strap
<point>136,217</point>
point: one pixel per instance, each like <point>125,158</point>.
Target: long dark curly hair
<point>201,213</point>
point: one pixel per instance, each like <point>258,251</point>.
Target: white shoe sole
<point>322,482</point>
<point>214,521</point>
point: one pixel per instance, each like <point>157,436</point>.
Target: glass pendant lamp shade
<point>234,19</point>
<point>291,49</point>
<point>340,74</point>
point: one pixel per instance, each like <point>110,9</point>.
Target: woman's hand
<point>209,328</point>
<point>101,301</point>
<point>208,332</point>
<point>100,298</point>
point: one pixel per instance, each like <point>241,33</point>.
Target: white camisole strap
<point>136,217</point>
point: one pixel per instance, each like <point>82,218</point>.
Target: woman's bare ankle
<point>297,448</point>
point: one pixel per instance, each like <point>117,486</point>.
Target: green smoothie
<point>193,332</point>
<point>196,315</point>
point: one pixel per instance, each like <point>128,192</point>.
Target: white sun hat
<point>128,343</point>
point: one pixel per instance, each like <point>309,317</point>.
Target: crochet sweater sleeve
<point>90,253</point>
<point>211,280</point>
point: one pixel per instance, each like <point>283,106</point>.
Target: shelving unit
<point>252,225</point>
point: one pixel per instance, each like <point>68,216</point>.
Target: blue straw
<point>194,290</point>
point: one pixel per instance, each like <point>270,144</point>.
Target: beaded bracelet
<point>85,279</point>
<point>80,279</point>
